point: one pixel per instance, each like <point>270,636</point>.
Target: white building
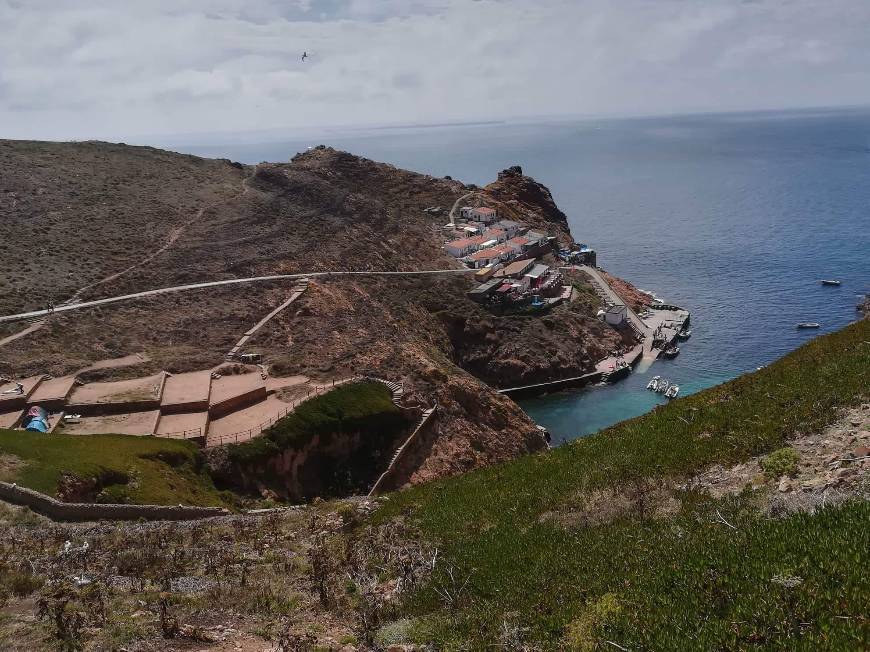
<point>484,214</point>
<point>616,314</point>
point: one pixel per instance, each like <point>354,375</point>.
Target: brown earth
<point>97,209</point>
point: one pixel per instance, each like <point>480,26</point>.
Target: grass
<point>684,582</point>
<point>144,470</point>
<point>365,407</point>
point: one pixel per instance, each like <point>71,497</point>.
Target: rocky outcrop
<point>523,199</point>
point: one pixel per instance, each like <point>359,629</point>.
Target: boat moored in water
<point>671,352</point>
<point>653,385</point>
<point>684,334</point>
<point>828,281</point>
<point>672,391</point>
<point>808,324</point>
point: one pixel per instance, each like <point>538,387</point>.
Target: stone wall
<point>409,456</point>
<point>60,511</point>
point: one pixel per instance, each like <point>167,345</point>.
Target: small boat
<point>664,384</point>
<point>672,392</point>
<point>684,334</point>
<point>828,281</point>
<point>653,385</point>
<point>808,324</point>
<point>671,352</point>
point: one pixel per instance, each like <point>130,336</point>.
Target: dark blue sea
<point>734,217</point>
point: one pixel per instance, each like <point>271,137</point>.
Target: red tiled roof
<point>485,210</point>
<point>491,252</point>
<point>519,240</point>
<point>462,243</point>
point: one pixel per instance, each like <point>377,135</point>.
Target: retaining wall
<point>408,457</point>
<point>60,511</point>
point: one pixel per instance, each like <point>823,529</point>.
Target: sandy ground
<point>227,387</point>
<point>177,423</point>
<point>53,390</point>
<point>193,387</point>
<point>137,389</point>
<point>9,399</point>
<point>114,363</point>
<point>8,419</point>
<point>135,423</point>
<point>274,384</point>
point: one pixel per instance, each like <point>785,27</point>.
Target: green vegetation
<point>713,575</point>
<point>144,470</point>
<point>365,407</point>
<point>780,462</point>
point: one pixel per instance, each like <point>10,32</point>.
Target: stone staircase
<point>426,415</point>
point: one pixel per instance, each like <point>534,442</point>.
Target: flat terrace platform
<point>10,419</point>
<point>188,392</point>
<point>53,392</point>
<point>179,424</point>
<point>119,391</point>
<point>132,423</point>
<point>247,422</point>
<point>13,400</point>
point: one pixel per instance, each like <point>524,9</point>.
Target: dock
<point>656,328</point>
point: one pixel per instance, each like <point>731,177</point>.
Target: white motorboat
<point>672,391</point>
<point>653,385</point>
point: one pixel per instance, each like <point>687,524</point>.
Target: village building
<point>516,269</point>
<point>490,256</point>
<point>483,214</point>
<point>518,244</point>
<point>464,246</point>
<point>509,226</point>
<point>616,315</point>
<point>482,292</point>
<point>486,273</point>
<point>534,278</point>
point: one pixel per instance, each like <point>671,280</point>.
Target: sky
<point>117,70</point>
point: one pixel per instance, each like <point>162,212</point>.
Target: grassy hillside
<point>142,470</point>
<point>593,542</point>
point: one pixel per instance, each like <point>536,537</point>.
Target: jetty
<point>658,328</point>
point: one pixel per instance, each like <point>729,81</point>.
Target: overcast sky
<point>112,69</point>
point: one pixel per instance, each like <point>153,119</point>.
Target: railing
<point>193,433</point>
<point>250,433</point>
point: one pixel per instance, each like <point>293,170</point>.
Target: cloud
<point>106,69</point>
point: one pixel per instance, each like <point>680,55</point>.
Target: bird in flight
<point>304,56</point>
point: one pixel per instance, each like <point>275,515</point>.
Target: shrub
<point>585,631</point>
<point>780,462</point>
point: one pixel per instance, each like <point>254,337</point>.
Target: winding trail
<point>174,234</point>
<point>36,314</point>
<point>456,205</point>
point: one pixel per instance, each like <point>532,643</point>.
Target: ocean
<point>735,217</point>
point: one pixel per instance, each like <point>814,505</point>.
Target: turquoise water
<point>734,217</point>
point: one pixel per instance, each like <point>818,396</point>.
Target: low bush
<point>780,462</point>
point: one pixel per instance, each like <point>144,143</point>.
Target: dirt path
<point>174,234</point>
<point>456,205</point>
<point>210,284</point>
<point>27,331</point>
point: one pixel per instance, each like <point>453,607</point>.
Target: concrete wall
<point>60,511</point>
<point>236,403</point>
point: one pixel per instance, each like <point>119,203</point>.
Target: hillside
<point>90,220</point>
<point>688,528</point>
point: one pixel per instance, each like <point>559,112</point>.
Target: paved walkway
<point>235,281</point>
<point>642,327</point>
<point>297,292</point>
